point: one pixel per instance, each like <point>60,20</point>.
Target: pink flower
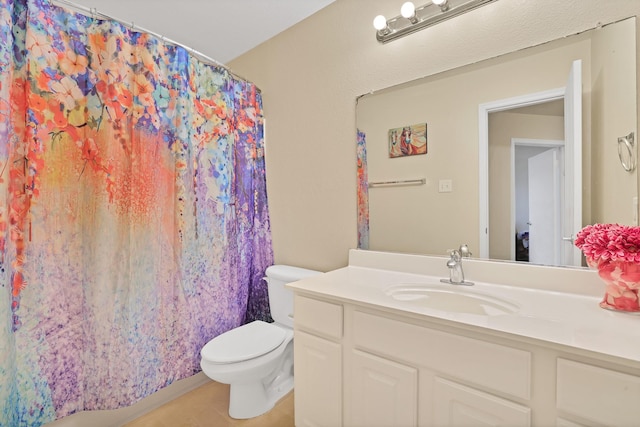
<point>609,242</point>
<point>67,92</point>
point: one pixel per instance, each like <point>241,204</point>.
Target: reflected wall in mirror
<point>446,210</point>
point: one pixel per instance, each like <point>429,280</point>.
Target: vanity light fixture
<point>412,19</point>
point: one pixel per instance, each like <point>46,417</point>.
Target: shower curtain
<point>133,212</point>
<point>363,190</point>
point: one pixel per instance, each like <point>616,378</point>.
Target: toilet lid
<point>243,343</point>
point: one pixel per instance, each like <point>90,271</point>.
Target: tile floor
<point>207,406</point>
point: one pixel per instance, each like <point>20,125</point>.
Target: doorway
<point>537,198</point>
<point>571,215</point>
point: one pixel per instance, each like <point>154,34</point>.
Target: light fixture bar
<point>425,16</point>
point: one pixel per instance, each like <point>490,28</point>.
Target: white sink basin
<point>451,298</point>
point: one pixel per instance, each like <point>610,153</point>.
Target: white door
<point>544,208</point>
<point>572,216</point>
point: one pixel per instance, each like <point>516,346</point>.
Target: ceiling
<point>220,29</point>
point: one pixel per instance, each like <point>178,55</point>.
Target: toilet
<point>256,359</point>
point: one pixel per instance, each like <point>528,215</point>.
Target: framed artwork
<point>408,140</point>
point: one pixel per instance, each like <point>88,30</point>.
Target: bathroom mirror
<point>431,203</point>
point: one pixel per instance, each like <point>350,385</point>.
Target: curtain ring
<point>626,152</point>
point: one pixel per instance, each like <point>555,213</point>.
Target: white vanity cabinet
<point>357,365</point>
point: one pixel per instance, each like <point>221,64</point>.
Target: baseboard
<point>121,416</point>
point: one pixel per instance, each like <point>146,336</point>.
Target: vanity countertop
<point>558,317</point>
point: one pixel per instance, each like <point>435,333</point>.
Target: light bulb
<point>444,4</point>
<point>407,10</point>
<point>379,22</point>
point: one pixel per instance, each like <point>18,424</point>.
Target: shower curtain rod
<point>199,55</point>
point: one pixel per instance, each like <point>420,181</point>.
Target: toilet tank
<point>280,298</point>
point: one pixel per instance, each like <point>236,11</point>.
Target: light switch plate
<point>445,186</point>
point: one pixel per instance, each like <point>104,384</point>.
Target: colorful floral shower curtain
<point>133,212</point>
<point>363,191</point>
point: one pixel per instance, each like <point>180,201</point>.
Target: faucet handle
<point>454,254</point>
<point>464,251</point>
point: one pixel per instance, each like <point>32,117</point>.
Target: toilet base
<point>255,384</point>
<point>254,399</point>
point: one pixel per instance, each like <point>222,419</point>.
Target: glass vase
<point>622,280</point>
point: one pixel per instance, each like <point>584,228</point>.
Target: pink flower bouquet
<point>614,250</point>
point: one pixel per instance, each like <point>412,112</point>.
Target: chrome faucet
<point>456,274</point>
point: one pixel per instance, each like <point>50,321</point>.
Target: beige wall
<point>311,74</point>
<point>614,114</point>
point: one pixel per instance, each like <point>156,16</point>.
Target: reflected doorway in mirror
<point>408,140</point>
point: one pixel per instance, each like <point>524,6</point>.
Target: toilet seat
<point>243,343</point>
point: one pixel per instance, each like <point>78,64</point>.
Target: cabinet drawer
<point>599,395</point>
<point>320,317</point>
<point>489,365</point>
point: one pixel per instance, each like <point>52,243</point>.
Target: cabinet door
<point>383,393</point>
<point>318,381</point>
<point>458,405</point>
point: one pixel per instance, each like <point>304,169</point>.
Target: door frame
<point>528,142</point>
<point>483,150</point>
